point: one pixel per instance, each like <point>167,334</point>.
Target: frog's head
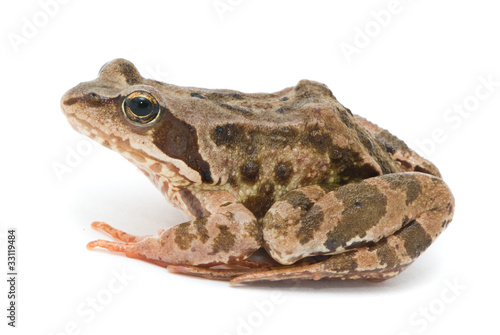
<point>128,114</point>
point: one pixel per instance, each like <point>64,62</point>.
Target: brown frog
<point>326,193</point>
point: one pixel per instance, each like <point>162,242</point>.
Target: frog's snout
<point>70,98</point>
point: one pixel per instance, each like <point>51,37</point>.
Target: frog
<point>288,185</point>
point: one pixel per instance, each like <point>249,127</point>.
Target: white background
<point>423,59</point>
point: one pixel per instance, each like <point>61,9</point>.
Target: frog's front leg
<point>228,235</point>
<point>374,229</point>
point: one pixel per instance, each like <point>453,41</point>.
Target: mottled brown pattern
<point>364,206</point>
<point>298,199</point>
<point>254,230</point>
<point>201,229</point>
<point>386,254</point>
<point>410,185</point>
<point>309,224</point>
<point>228,134</point>
<point>349,165</point>
<point>183,238</point>
<point>215,152</point>
<point>376,150</point>
<point>224,241</point>
<point>156,167</point>
<point>415,238</point>
<point>392,143</point>
<point>344,262</point>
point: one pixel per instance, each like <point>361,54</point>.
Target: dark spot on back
<point>225,96</point>
<point>282,172</point>
<point>228,134</point>
<point>243,111</point>
<point>389,149</point>
<point>349,165</point>
<point>250,171</point>
<point>282,110</point>
<point>259,204</point>
<point>284,99</point>
<point>319,140</point>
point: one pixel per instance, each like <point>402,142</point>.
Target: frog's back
<point>260,146</point>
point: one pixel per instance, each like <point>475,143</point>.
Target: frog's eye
<point>141,108</point>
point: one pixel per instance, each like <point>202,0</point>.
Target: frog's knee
<point>282,224</point>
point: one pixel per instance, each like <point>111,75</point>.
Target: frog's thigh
<point>355,215</point>
<point>227,235</point>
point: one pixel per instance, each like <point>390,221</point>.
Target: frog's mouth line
<point>136,156</point>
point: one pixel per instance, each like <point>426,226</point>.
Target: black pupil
<point>140,106</point>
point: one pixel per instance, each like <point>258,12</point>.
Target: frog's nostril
<point>93,98</point>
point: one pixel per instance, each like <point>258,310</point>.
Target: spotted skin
<point>326,194</point>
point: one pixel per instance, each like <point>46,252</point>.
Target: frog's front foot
<point>115,233</point>
<point>228,235</point>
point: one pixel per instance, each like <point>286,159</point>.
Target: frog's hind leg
<point>374,261</point>
<point>373,229</point>
<point>238,269</point>
<point>353,215</point>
